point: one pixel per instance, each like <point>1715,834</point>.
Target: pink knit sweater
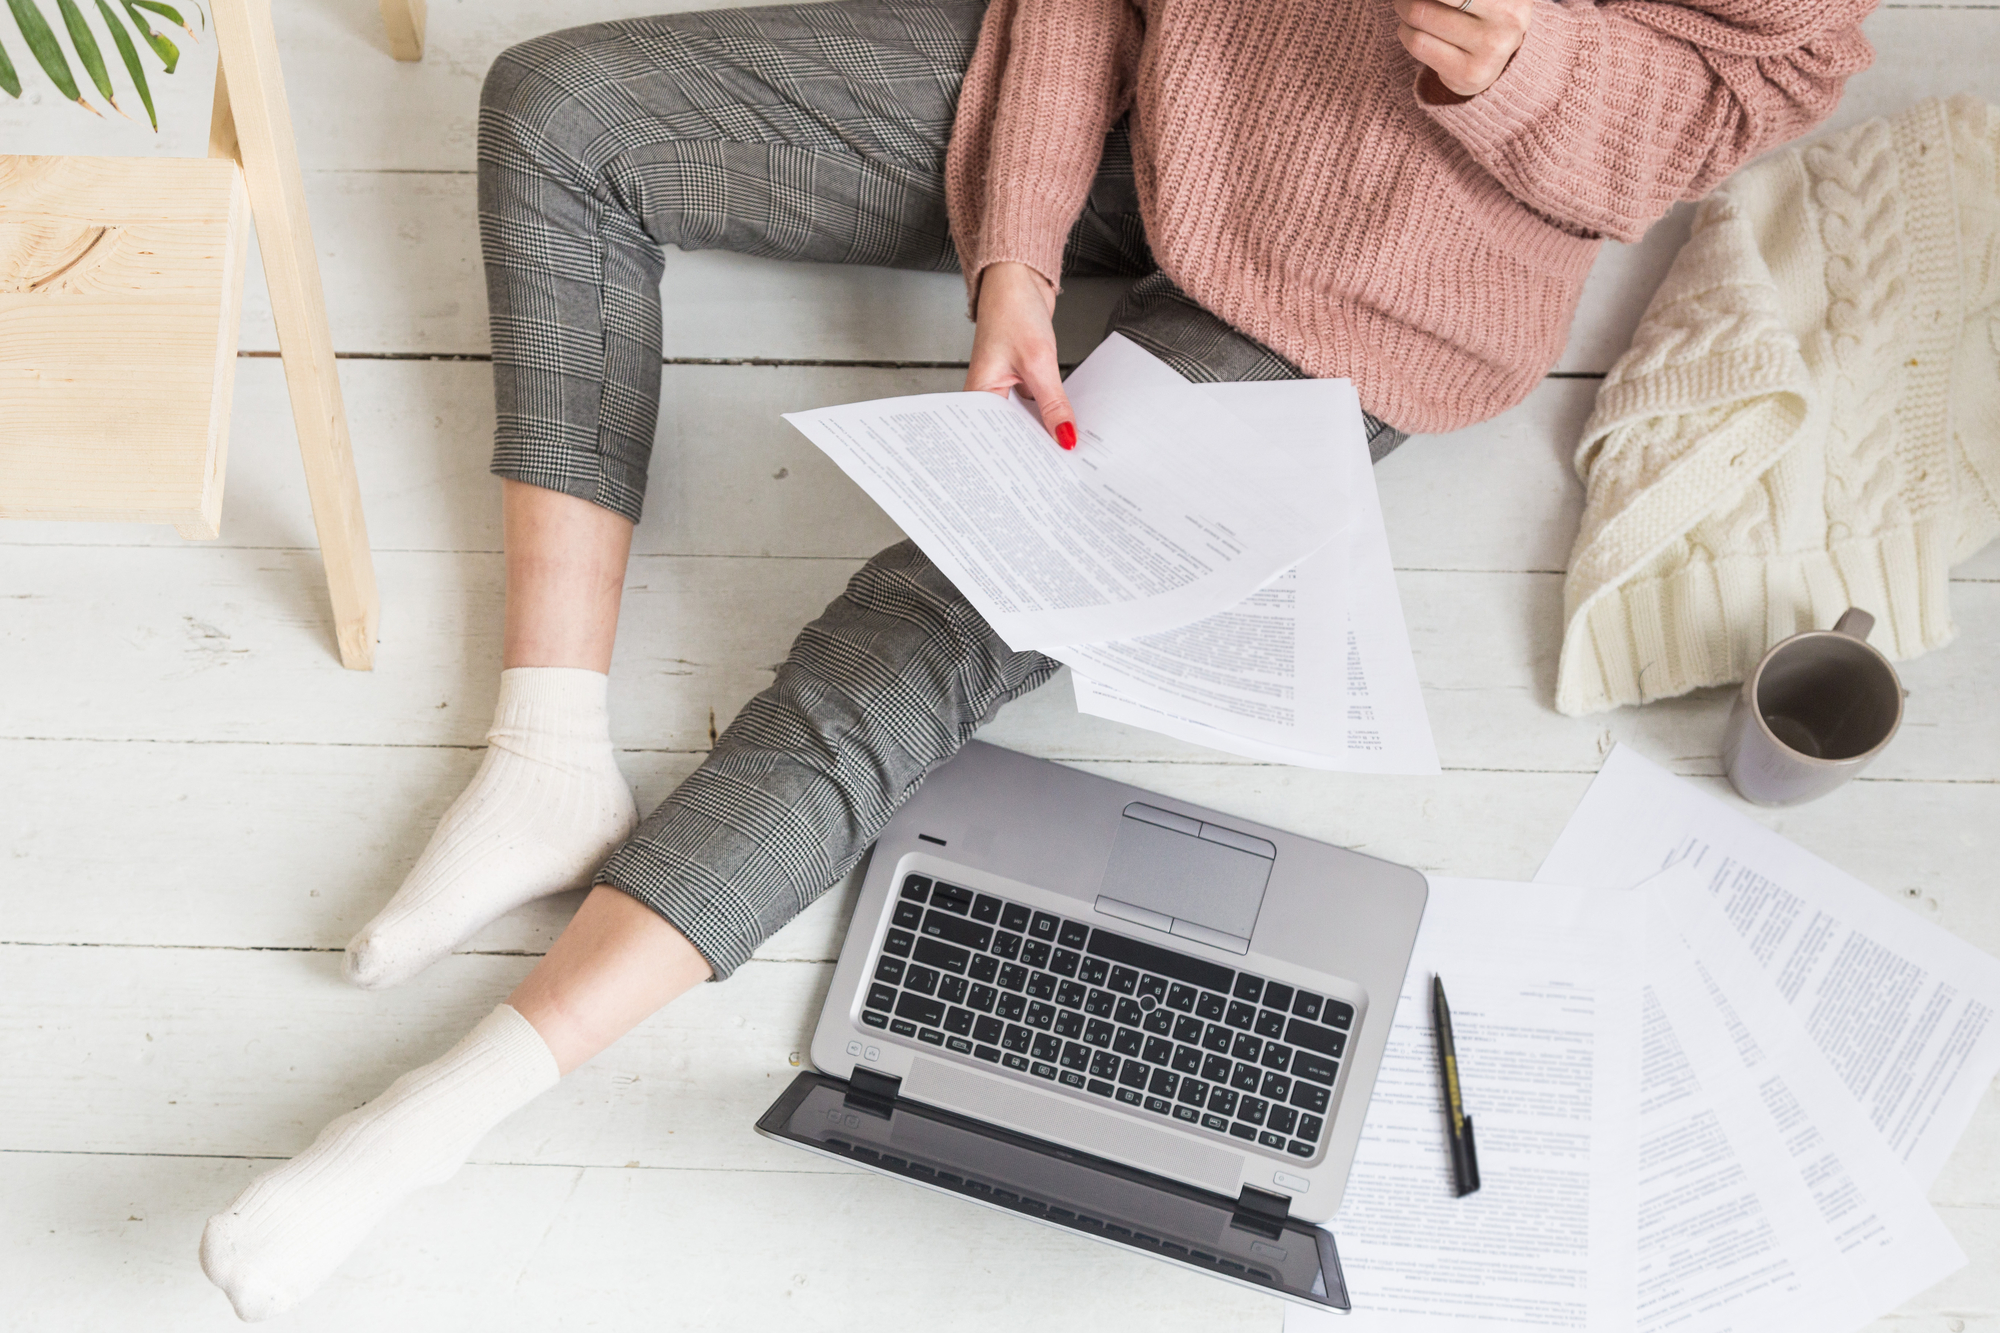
<point>1293,181</point>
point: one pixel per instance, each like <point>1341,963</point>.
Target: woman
<point>1405,192</point>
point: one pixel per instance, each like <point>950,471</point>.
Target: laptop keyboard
<point>1161,1032</point>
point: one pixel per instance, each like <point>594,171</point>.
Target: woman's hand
<point>1015,345</point>
<point>1465,48</point>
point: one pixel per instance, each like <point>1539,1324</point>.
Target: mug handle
<point>1854,623</point>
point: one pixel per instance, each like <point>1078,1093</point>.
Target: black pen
<point>1458,1125</point>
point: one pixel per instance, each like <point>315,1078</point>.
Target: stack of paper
<point>1731,1126</point>
<point>1210,561</point>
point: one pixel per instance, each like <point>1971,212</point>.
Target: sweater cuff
<point>1526,93</point>
<point>1027,230</point>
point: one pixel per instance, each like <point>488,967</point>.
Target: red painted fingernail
<point>1066,435</point>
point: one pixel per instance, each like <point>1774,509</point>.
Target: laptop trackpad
<point>1198,880</point>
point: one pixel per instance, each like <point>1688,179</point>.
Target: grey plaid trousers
<point>809,132</point>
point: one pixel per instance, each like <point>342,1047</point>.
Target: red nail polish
<point>1066,435</point>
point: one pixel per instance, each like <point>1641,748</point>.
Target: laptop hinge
<point>872,1093</point>
<point>1262,1212</point>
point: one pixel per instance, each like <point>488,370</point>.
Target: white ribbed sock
<point>546,807</point>
<point>293,1226</point>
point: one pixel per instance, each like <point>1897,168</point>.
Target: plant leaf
<point>87,50</point>
<point>41,41</point>
<point>172,15</point>
<point>130,55</point>
<point>169,54</point>
<point>9,79</point>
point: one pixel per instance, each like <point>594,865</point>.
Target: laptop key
<point>986,908</point>
<point>987,1029</point>
<point>984,967</point>
<point>1187,1060</point>
<point>898,942</point>
<point>1129,1013</point>
<point>1010,1007</point>
<point>1128,1041</point>
<point>916,887</point>
<point>981,998</point>
<point>1035,953</point>
<point>1217,1038</point>
<point>988,1053</point>
<point>1158,1050</point>
<point>919,1009</point>
<point>956,930</point>
<point>889,970</point>
<point>1283,1119</point>
<point>1210,1006</point>
<point>1164,1083</point>
<point>930,1036</point>
<point>1130,1096</point>
<point>1100,1004</point>
<point>1072,994</point>
<point>1044,926</point>
<point>1041,1070</point>
<point>1187,1113</point>
<point>1222,1101</point>
<point>1193,1091</point>
<point>1069,1023</point>
<point>1042,986</point>
<point>1310,1127</point>
<point>959,1044</point>
<point>1216,1068</point>
<point>1159,1106</point>
<point>1124,980</point>
<point>1013,1061</point>
<point>1247,1077</point>
<point>921,980</point>
<point>1316,1038</point>
<point>1277,1057</point>
<point>1093,971</point>
<point>1133,1074</point>
<point>1072,1078</point>
<point>1152,985</point>
<point>1306,1005</point>
<point>1240,1015</point>
<point>1339,1014</point>
<point>1246,1047</point>
<point>1310,1097</point>
<point>1007,946</point>
<point>1040,1015</point>
<point>1104,1064</point>
<point>1182,996</point>
<point>952,990</point>
<point>1298,1148</point>
<point>1277,996</point>
<point>1013,977</point>
<point>1073,935</point>
<point>1269,1024</point>
<point>1099,1088</point>
<point>1276,1087</point>
<point>951,898</point>
<point>1046,1047</point>
<point>1187,1028</point>
<point>1253,1109</point>
<point>1014,917</point>
<point>1248,987</point>
<point>908,915</point>
<point>1098,1032</point>
<point>1063,962</point>
<point>874,1020</point>
<point>1269,1140</point>
<point>1075,1055</point>
<point>1017,1038</point>
<point>881,997</point>
<point>1215,1122</point>
<point>902,1027</point>
<point>1243,1131</point>
<point>958,1021</point>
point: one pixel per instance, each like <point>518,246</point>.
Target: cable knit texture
<point>1293,182</point>
<point>1808,418</point>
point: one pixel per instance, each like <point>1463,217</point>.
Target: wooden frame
<point>405,20</point>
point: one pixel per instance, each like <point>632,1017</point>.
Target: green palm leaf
<point>9,79</point>
<point>169,13</point>
<point>42,45</point>
<point>87,50</point>
<point>169,54</point>
<point>130,55</point>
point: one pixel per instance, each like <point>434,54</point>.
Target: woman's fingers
<point>1468,48</point>
<point>1041,380</point>
<point>1014,346</point>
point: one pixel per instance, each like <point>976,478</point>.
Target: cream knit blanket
<point>1808,418</point>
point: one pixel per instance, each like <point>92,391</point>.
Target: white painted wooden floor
<point>198,807</point>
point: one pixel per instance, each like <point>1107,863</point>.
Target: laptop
<point>1112,1012</point>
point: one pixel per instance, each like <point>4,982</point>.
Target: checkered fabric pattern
<point>810,132</point>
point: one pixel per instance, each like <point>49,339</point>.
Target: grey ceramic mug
<point>1815,711</point>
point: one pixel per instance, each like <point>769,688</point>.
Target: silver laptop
<point>1113,1012</point>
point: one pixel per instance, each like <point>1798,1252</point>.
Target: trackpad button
<point>1187,877</point>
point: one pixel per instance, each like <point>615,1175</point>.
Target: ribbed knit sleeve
<point>1048,81</point>
<point>1611,113</point>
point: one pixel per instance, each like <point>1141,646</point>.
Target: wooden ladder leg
<point>405,21</point>
<point>262,123</point>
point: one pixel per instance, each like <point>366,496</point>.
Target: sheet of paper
<point>1546,1016</point>
<point>1314,669</point>
<point>1765,1201</point>
<point>1903,1010</point>
<point>1168,510</point>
